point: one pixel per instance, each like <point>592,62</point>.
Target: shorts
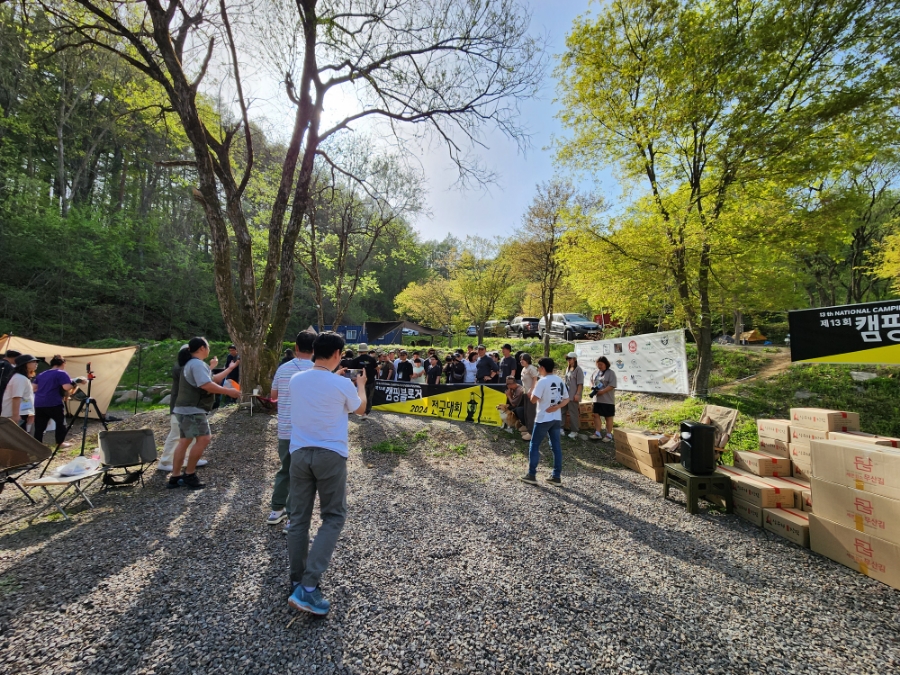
<point>605,409</point>
<point>193,425</point>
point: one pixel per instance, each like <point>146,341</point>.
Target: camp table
<point>67,483</point>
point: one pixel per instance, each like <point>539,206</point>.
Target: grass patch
<point>8,584</point>
<point>460,449</point>
<point>394,447</point>
<point>420,435</point>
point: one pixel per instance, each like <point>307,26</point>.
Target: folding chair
<point>723,419</point>
<point>124,450</point>
<point>20,452</point>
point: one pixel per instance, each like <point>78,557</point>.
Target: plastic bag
<point>78,466</point>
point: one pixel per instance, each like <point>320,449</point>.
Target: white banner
<point>655,363</point>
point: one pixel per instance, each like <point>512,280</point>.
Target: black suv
<point>569,326</point>
<point>523,326</point>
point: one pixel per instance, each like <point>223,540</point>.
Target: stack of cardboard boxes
<point>856,503</point>
<point>585,417</point>
<point>639,451</point>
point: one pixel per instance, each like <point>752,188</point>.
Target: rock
<point>165,400</point>
<point>130,395</point>
<point>859,376</point>
<point>146,399</point>
<point>802,394</point>
<point>157,390</point>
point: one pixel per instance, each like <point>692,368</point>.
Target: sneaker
<point>200,462</point>
<point>190,480</point>
<point>529,478</point>
<point>312,602</point>
<point>554,480</point>
<point>174,481</point>
<point>596,436</point>
<point>276,517</point>
<point>573,434</point>
<point>164,467</point>
<point>287,526</point>
<point>608,438</point>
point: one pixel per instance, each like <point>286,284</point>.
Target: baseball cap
<point>480,347</point>
<point>25,358</point>
<point>571,355</point>
<point>363,347</point>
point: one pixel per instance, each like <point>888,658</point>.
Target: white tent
<point>107,364</point>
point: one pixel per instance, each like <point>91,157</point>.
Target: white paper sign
<point>655,363</point>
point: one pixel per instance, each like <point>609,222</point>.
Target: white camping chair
<point>124,450</point>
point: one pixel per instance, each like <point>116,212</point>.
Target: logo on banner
<point>666,362</point>
<point>664,340</point>
<point>632,346</point>
<point>635,364</point>
<point>605,350</point>
<point>620,364</point>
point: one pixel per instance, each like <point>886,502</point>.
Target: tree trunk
<point>704,335</point>
<point>738,325</point>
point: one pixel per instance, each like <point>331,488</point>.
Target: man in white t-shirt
<point>319,447</point>
<point>550,396</point>
<point>281,493</point>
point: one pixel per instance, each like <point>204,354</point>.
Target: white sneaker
<point>164,467</point>
<point>573,435</point>
<point>276,517</point>
<point>608,438</point>
<point>200,462</point>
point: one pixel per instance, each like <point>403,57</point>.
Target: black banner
<point>864,333</point>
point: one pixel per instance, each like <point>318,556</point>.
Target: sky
<point>497,210</point>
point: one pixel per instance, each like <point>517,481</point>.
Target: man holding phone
<point>320,402</point>
<point>369,363</point>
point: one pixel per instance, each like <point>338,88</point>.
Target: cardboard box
<point>861,511</point>
<point>871,468</point>
<point>749,512</point>
<point>802,435</point>
<point>749,489</point>
<point>656,473</point>
<point>785,484</point>
<point>800,453</point>
<point>642,445</point>
<point>773,446</point>
<point>779,430</point>
<point>803,495</point>
<point>792,524</point>
<point>762,464</point>
<point>824,420</point>
<point>872,556</point>
<point>860,437</point>
<point>801,469</point>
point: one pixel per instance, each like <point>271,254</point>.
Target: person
<point>320,403</point>
<point>18,397</point>
<point>470,349</point>
<point>471,368</point>
<point>287,357</point>
<point>515,399</point>
<point>448,368</point>
<point>486,368</point>
<point>168,454</point>
<point>575,385</point>
<point>457,369</point>
<point>196,390</point>
<point>418,372</point>
<point>603,389</point>
<point>518,358</point>
<point>233,358</point>
<point>387,367</point>
<point>551,396</point>
<point>370,364</point>
<point>433,376</point>
<point>507,363</point>
<point>7,369</point>
<point>404,368</point>
<point>348,359</point>
<point>529,379</point>
<point>397,364</point>
<point>49,389</point>
<point>302,361</point>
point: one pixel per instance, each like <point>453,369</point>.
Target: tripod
<point>84,405</point>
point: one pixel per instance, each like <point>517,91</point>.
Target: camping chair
<point>20,452</point>
<point>123,450</point>
<point>723,419</point>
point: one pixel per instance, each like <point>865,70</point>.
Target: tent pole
<point>137,388</point>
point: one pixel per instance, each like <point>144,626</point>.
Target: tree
<point>481,279</point>
<point>699,100</point>
<point>434,302</point>
<point>539,242</point>
<point>442,68</point>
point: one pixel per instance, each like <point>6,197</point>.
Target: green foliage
<point>391,447</point>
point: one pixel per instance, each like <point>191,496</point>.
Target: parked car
<point>472,331</point>
<point>568,326</point>
<point>523,326</point>
<point>495,327</point>
<point>409,331</point>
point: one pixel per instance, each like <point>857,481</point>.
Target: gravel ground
<point>447,564</point>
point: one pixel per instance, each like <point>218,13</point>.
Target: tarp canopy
<point>752,336</point>
<point>378,329</point>
<point>107,364</point>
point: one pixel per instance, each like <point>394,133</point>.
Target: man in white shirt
<point>320,402</point>
<point>281,493</point>
<point>550,396</point>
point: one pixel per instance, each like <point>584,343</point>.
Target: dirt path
<point>778,363</point>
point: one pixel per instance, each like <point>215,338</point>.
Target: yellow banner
<point>476,404</point>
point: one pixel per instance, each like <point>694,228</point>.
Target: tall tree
<point>695,100</point>
<point>445,68</point>
<point>481,278</point>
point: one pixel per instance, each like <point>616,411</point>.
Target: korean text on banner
<point>655,362</point>
<point>865,333</point>
<point>477,404</point>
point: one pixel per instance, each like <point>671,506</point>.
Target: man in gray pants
<point>320,402</point>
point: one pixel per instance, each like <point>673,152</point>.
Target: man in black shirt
<point>404,368</point>
<point>486,369</point>
<point>365,361</point>
<point>433,376</point>
<point>507,363</point>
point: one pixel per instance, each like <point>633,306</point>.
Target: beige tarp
<point>751,336</point>
<point>107,364</point>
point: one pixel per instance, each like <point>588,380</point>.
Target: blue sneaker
<point>313,602</point>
